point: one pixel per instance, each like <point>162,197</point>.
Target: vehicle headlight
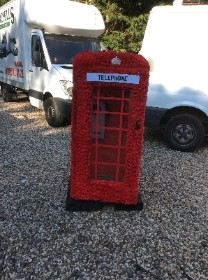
<point>67,87</point>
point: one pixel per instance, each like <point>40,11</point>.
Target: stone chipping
<point>39,239</point>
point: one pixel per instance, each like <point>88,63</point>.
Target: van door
<point>38,73</point>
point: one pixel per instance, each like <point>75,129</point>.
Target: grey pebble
<point>40,240</point>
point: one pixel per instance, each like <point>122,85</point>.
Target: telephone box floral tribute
<point>108,111</point>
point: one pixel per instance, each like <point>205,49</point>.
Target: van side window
<point>37,51</point>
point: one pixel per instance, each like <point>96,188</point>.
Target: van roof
<point>64,17</point>
<point>181,9</point>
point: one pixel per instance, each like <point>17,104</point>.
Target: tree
<point>125,21</point>
<point>2,2</point>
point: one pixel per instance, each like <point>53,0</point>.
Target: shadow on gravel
<point>15,118</point>
<point>154,135</point>
<point>22,114</point>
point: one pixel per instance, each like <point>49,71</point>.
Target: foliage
<point>125,21</point>
<point>2,2</point>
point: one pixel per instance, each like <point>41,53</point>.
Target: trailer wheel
<point>184,133</point>
<point>8,95</point>
<point>53,113</point>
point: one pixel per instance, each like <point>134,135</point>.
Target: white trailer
<point>38,41</point>
<point>175,44</point>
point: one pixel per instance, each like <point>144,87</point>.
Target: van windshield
<point>63,49</point>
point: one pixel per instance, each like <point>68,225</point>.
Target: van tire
<point>53,112</point>
<point>7,95</point>
<point>184,133</point>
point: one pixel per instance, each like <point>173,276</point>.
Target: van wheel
<point>8,95</point>
<point>53,113</point>
<point>184,133</point>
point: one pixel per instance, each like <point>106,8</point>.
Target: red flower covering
<point>105,166</point>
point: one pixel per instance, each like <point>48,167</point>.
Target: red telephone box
<point>108,109</point>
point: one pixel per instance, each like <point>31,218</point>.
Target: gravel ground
<point>40,240</point>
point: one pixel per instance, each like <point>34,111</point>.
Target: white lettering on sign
<point>113,78</point>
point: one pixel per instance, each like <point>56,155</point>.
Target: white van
<point>38,41</point>
<point>176,45</point>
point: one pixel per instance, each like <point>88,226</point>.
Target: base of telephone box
<point>89,205</point>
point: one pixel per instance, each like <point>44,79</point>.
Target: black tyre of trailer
<point>7,93</point>
<point>54,112</point>
<point>184,133</point>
